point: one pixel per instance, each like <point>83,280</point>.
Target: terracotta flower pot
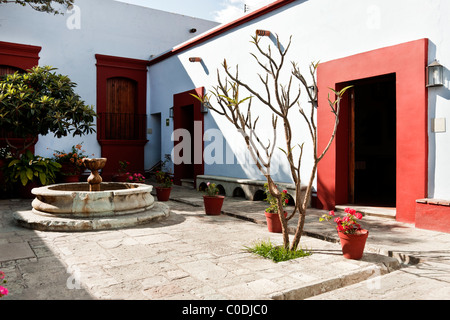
<point>162,193</point>
<point>353,244</point>
<point>213,204</point>
<point>273,222</point>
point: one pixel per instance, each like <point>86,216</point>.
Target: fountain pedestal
<point>95,178</point>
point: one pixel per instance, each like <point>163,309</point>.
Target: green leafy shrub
<point>30,168</point>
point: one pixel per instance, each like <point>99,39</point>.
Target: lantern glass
<point>435,74</point>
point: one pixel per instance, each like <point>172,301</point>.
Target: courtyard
<point>193,256</point>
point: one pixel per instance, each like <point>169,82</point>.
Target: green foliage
<point>42,5</point>
<point>31,168</point>
<point>41,101</point>
<point>272,201</point>
<point>276,253</point>
<point>211,189</point>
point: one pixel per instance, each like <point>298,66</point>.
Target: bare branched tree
<point>279,100</point>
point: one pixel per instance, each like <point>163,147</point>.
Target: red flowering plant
<point>348,224</point>
<point>273,207</point>
<point>123,166</point>
<point>3,290</point>
<point>164,179</point>
<point>135,177</point>
<point>72,162</point>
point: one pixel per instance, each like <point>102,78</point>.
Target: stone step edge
<point>30,220</point>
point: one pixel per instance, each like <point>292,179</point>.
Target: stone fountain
<point>94,205</point>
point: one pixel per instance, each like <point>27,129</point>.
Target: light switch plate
<point>438,125</point>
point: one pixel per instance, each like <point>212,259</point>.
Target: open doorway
<point>187,115</point>
<point>187,122</point>
<point>372,141</point>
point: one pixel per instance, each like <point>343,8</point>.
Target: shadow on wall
<point>433,93</point>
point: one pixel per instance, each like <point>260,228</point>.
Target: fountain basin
<point>75,199</point>
<point>72,207</point>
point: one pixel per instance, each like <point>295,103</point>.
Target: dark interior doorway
<point>372,145</point>
<point>187,115</point>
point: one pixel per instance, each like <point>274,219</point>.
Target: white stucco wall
<point>322,30</point>
<point>106,27</point>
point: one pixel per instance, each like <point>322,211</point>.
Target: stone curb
<point>31,220</point>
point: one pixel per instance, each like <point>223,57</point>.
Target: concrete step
<point>382,212</point>
<point>187,183</point>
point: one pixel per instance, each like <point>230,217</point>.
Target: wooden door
<point>121,109</point>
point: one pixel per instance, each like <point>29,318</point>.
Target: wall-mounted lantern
<point>204,107</point>
<point>435,74</point>
<point>312,93</point>
<point>195,59</point>
<point>171,112</point>
<point>263,33</point>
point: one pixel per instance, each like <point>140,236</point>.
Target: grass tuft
<point>276,253</point>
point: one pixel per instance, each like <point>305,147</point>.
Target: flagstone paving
<point>192,256</point>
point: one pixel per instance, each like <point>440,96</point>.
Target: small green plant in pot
<point>212,200</point>
<point>165,181</point>
<point>271,213</point>
<point>30,170</point>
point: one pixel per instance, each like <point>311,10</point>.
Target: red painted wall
<point>433,214</point>
<point>408,61</point>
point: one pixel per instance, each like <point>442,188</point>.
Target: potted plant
<point>353,237</point>
<point>212,201</point>
<point>71,163</point>
<point>31,171</point>
<point>165,185</point>
<point>271,213</point>
<point>123,174</point>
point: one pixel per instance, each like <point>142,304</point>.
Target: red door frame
<point>23,57</point>
<point>181,100</point>
<point>119,150</point>
<point>408,61</point>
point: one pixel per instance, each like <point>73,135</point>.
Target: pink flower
<point>349,210</point>
<point>337,220</point>
<point>208,184</point>
<point>2,275</point>
<point>331,213</point>
<point>286,201</point>
<point>358,215</point>
<point>284,191</point>
<point>3,291</point>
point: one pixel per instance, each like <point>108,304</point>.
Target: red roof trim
<point>249,17</point>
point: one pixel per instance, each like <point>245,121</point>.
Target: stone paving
<point>192,256</point>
